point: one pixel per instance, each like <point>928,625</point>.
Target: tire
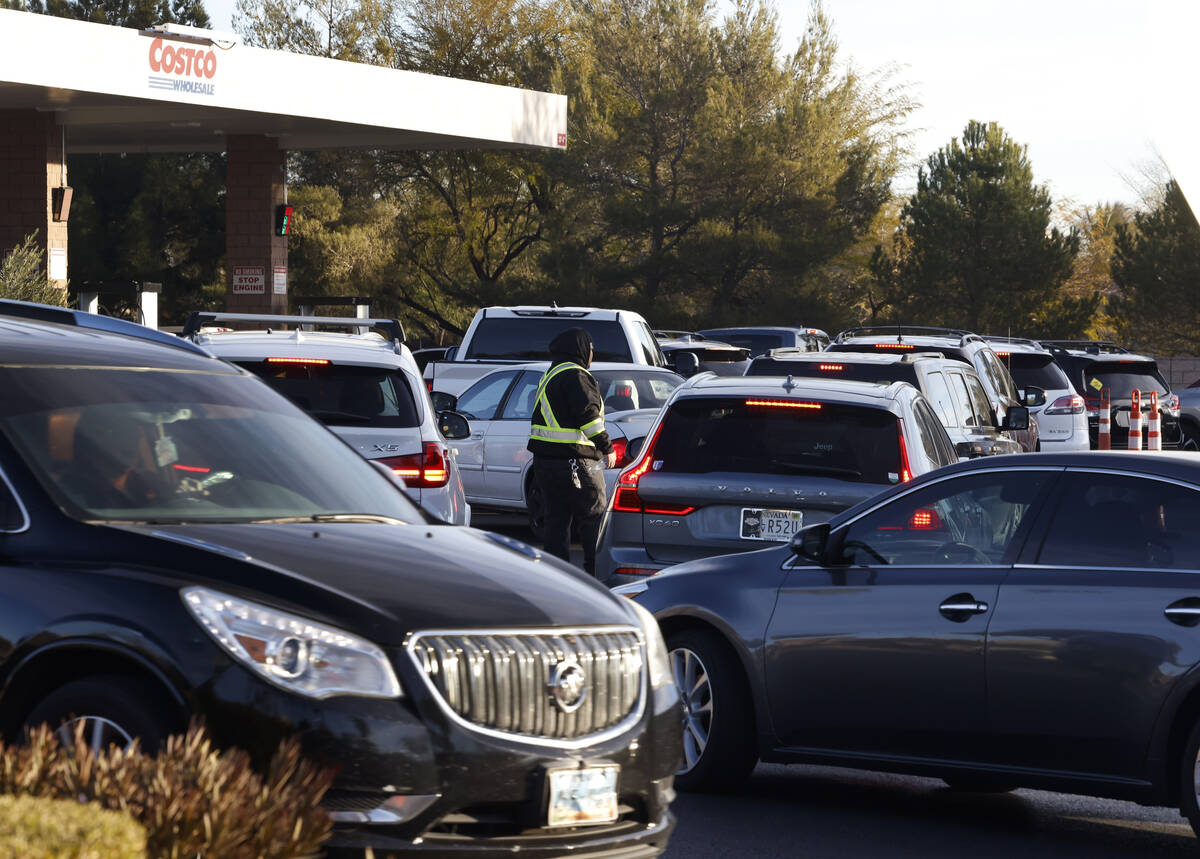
<point>118,708</point>
<point>979,784</point>
<point>719,736</point>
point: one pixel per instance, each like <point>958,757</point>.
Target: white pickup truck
<point>518,335</point>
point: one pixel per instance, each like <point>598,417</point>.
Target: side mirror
<point>634,448</point>
<point>453,426</point>
<point>810,542</point>
<point>443,402</point>
<point>1017,418</point>
<point>686,363</point>
<point>451,353</point>
<point>1033,397</point>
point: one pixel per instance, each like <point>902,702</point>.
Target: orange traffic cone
<point>1135,421</point>
<point>1154,425</point>
<point>1104,435</point>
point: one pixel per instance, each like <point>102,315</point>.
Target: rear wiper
<point>805,468</point>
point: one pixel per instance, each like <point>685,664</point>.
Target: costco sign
<point>182,69</point>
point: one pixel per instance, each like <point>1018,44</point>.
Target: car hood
<point>386,581</point>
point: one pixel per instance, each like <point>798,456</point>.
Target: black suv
<point>960,345</point>
<point>1095,365</point>
<point>178,540</point>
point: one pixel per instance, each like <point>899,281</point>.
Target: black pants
<point>566,503</point>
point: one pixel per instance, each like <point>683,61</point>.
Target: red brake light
<point>782,404</point>
<point>619,446</point>
<point>425,470</point>
<point>1071,404</point>
<point>1004,354</point>
<point>925,520</point>
<point>905,471</point>
<point>893,346</point>
<point>429,386</point>
<point>199,469</point>
<point>626,498</point>
<point>321,361</point>
<point>830,368</point>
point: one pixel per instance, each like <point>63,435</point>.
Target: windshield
<point>851,443</point>
<point>343,395</point>
<point>1037,370</point>
<point>178,447</point>
<point>834,369</point>
<point>1122,379</point>
<point>758,344</point>
<point>525,338</point>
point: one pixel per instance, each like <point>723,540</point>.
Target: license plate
<point>775,525</point>
<point>583,795</point>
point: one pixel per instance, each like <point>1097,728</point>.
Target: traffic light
<point>283,220</point>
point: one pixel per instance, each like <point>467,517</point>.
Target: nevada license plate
<point>583,795</point>
<point>777,525</point>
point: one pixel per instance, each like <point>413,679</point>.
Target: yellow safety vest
<point>552,430</point>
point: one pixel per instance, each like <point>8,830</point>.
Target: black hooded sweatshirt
<point>574,398</point>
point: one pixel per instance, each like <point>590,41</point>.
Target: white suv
<point>362,384</point>
<point>1062,421</point>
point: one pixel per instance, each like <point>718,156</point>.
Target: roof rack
<point>1016,341</point>
<point>1092,347</point>
<point>900,330</point>
<point>199,318</point>
<point>94,322</point>
<point>784,353</point>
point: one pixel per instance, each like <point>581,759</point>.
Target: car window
<point>527,338</point>
<point>854,371</point>
<point>937,444</point>
<point>979,399</point>
<point>179,447</point>
<point>939,396</point>
<point>1036,370</point>
<point>922,428</point>
<point>1000,376</point>
<point>623,390</point>
<point>343,394</point>
<point>758,344</point>
<point>1105,520</point>
<point>962,400</point>
<point>747,435</point>
<point>1122,379</point>
<point>480,401</point>
<point>649,345</point>
<point>972,520</point>
<point>519,405</point>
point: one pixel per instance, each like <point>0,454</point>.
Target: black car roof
<point>57,339</point>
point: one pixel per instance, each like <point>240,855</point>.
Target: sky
<point>1094,88</point>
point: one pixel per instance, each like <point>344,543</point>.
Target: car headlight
<point>656,649</point>
<point>292,652</point>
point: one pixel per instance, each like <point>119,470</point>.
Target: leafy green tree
<point>23,275</point>
<point>975,247</point>
<point>137,14</point>
<point>1156,266</point>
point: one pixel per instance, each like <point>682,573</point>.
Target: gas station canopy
<point>122,90</point>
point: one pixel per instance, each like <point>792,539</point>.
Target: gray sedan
<point>1009,621</point>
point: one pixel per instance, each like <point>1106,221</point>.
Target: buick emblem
<point>567,686</point>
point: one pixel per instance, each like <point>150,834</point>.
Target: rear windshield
<point>851,443</point>
<point>891,347</point>
<point>758,344</point>
<point>834,369</point>
<point>1122,378</point>
<point>1037,370</point>
<point>342,394</point>
<point>528,338</point>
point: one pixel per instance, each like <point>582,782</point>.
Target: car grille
<point>500,681</point>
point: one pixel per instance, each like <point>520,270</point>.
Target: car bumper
<point>489,792</point>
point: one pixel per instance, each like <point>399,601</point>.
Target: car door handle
<point>960,607</point>
<point>476,435</point>
<point>1185,612</point>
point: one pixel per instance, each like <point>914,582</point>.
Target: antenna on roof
<point>899,332</point>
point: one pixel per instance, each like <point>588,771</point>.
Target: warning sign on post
<point>279,280</point>
<point>249,279</point>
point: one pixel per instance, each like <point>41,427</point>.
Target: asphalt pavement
<point>830,813</point>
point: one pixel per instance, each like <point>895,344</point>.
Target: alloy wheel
<point>695,693</point>
<point>98,732</point>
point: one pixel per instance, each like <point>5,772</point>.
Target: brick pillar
<point>31,166</point>
<point>254,186</point>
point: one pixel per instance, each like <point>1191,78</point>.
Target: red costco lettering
<point>182,61</point>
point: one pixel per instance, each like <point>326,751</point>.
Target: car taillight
<point>626,498</point>
<point>782,404</point>
<point>905,471</point>
<point>619,447</point>
<point>424,470</point>
<point>1171,404</point>
<point>429,386</point>
<point>321,362</point>
<point>1071,404</point>
<point>1092,404</point>
<point>830,368</point>
<point>893,345</point>
<point>925,519</point>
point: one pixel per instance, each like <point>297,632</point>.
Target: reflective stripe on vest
<point>552,430</point>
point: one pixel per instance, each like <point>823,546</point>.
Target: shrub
<point>23,278</point>
<point>37,828</point>
<point>191,799</point>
